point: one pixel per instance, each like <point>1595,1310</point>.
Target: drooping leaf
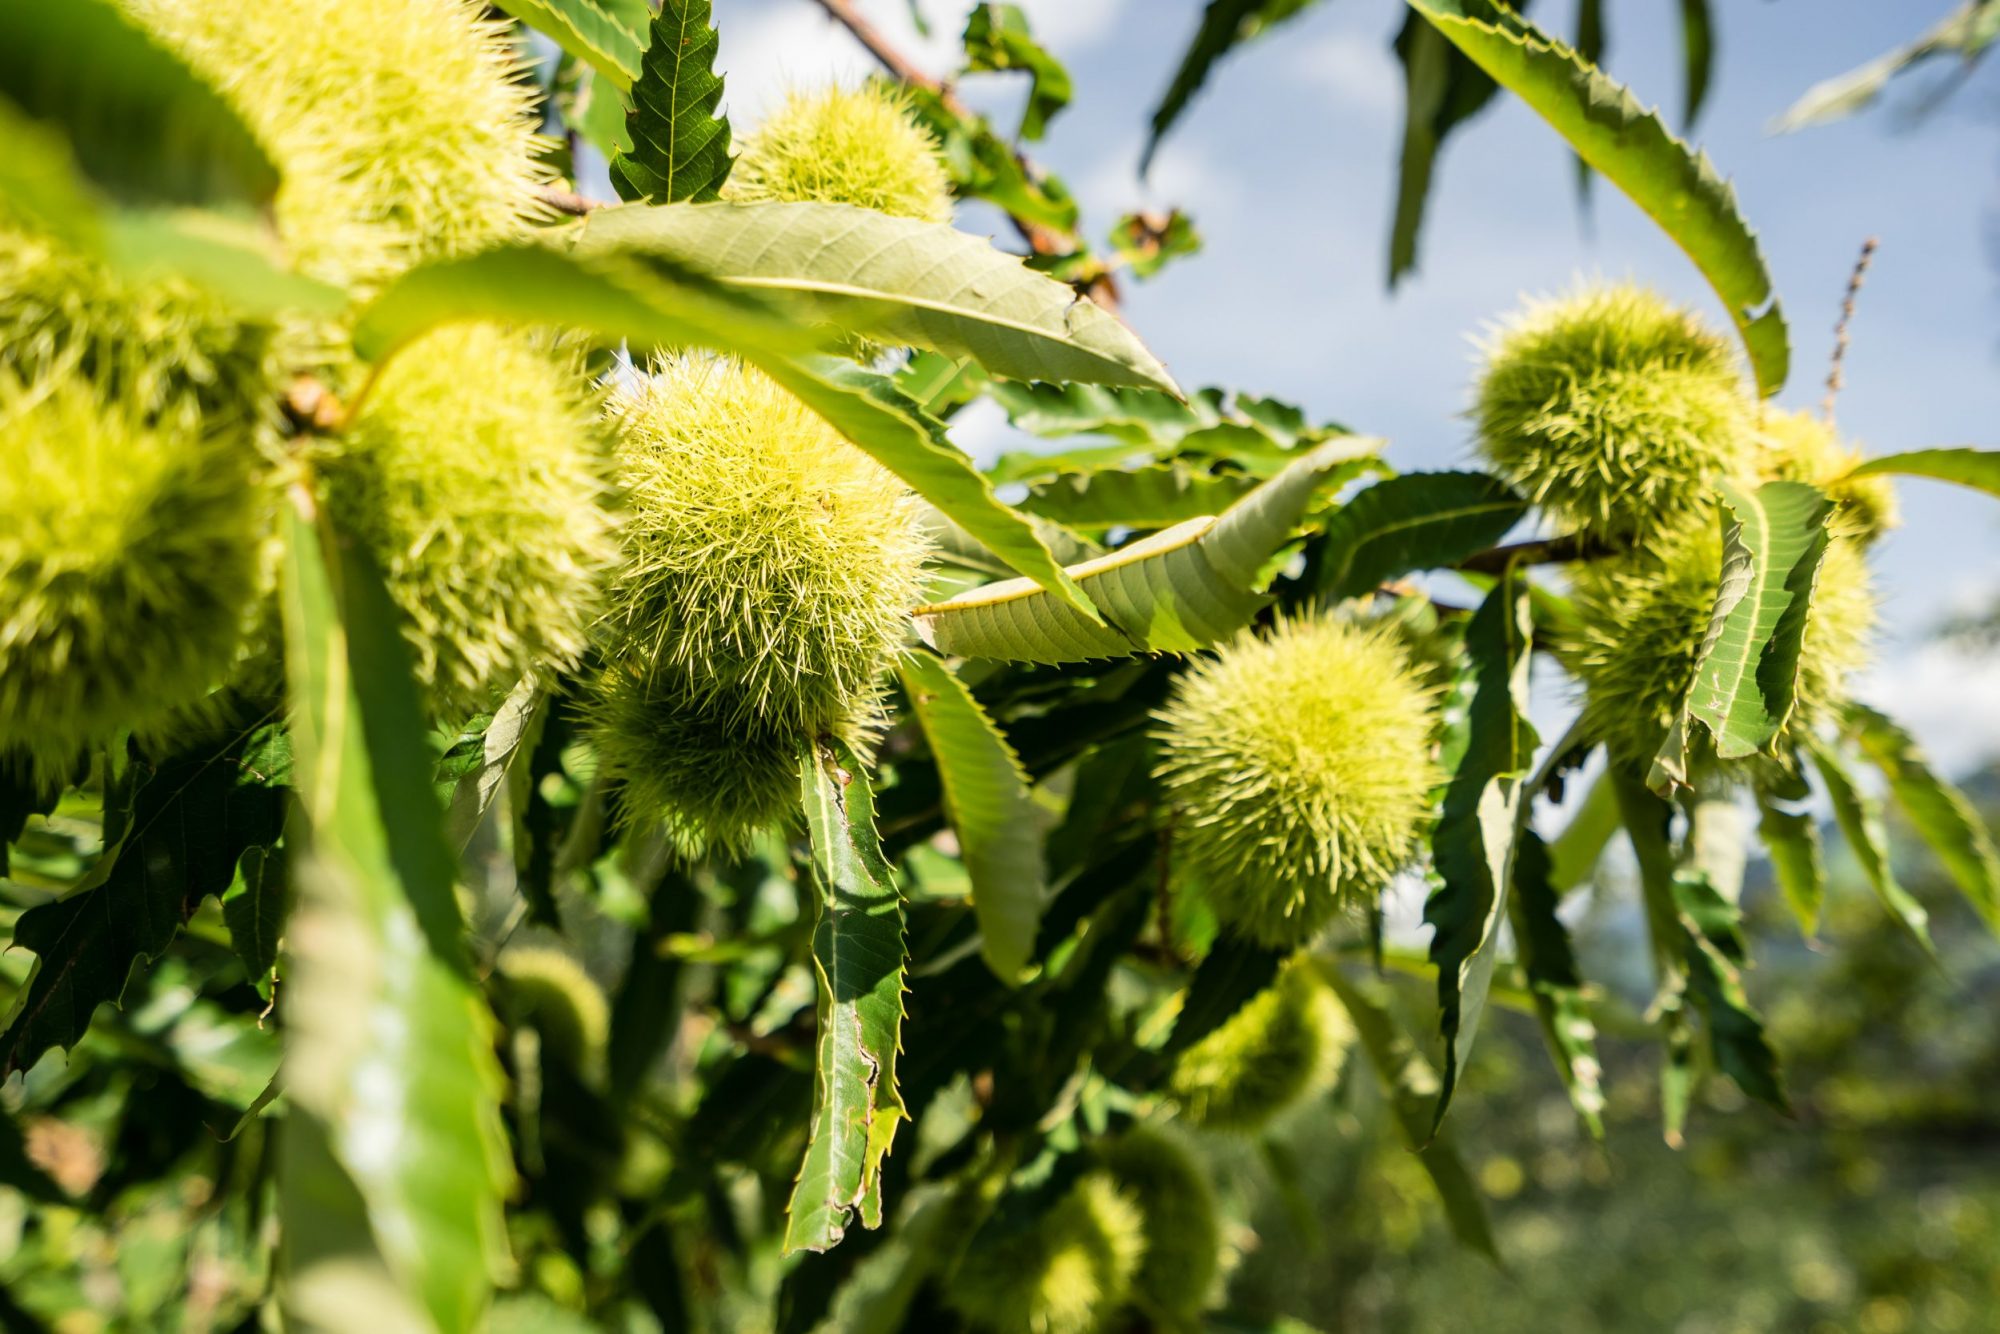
<point>1939,812</point>
<point>1549,964</point>
<point>1716,957</point>
<point>1647,821</point>
<point>986,793</point>
<point>680,141</point>
<point>1418,521</point>
<point>1698,55</point>
<point>254,909</point>
<point>1441,91</point>
<point>1411,1086</point>
<point>997,38</point>
<point>1747,670</point>
<point>1590,45</point>
<point>1178,590</point>
<point>193,814</point>
<point>587,30</point>
<point>144,127</point>
<point>1225,25</point>
<point>1792,840</point>
<point>1672,183</point>
<point>1859,816</point>
<point>656,303</point>
<point>859,955</point>
<point>1966,32</point>
<point>898,279</point>
<point>19,800</point>
<point>383,1016</point>
<point>1472,846</point>
<point>1976,468</point>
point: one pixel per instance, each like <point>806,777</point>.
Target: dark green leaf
<point>1672,183</point>
<point>193,815</point>
<point>144,127</point>
<point>1412,1089</point>
<point>1225,24</point>
<point>383,1016</point>
<point>997,38</point>
<point>1472,846</point>
<point>1747,671</point>
<point>1716,958</point>
<point>19,800</point>
<point>1418,521</point>
<point>991,810</point>
<point>1792,839</point>
<point>1590,44</point>
<point>254,911</point>
<point>1647,822</point>
<point>680,144</point>
<point>1441,91</point>
<point>1698,52</point>
<point>474,769</point>
<point>859,955</point>
<point>1860,819</point>
<point>1939,812</point>
<point>1549,965</point>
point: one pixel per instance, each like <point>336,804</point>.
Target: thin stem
<point>1834,376</point>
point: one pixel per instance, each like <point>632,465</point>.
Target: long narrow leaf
<point>1179,590</point>
<point>1674,184</point>
<point>905,281</point>
<point>1860,819</point>
<point>1549,964</point>
<point>389,1045</point>
<point>1418,521</point>
<point>992,812</point>
<point>1976,468</point>
<point>1939,812</point>
<point>585,30</point>
<point>859,955</point>
<point>1472,847</point>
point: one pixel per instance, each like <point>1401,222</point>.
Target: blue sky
<point>1287,165</point>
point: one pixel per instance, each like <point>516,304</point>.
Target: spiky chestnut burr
<point>475,475</point>
<point>1183,1234</point>
<point>1799,447</point>
<point>859,146</point>
<point>1067,1274</point>
<point>1613,410</point>
<point>130,560</point>
<point>1285,1042</point>
<point>1298,764</point>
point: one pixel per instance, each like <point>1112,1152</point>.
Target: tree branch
<point>566,201</point>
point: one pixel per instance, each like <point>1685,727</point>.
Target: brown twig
<point>1834,378</point>
<point>1043,240</point>
<point>567,201</point>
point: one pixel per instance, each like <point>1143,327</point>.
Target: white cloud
<point>1353,70</point>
